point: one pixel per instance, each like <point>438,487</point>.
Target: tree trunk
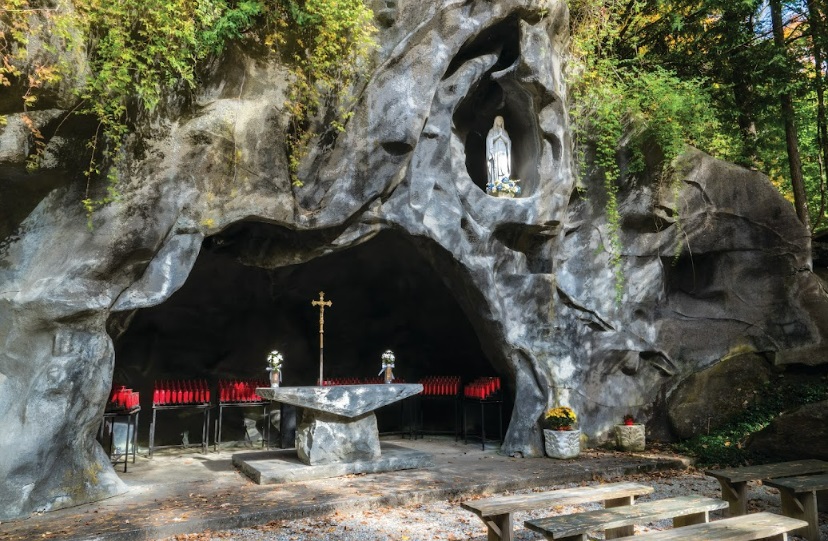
<point>817,33</point>
<point>791,137</point>
<point>741,76</point>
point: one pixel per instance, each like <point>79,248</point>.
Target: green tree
<point>789,118</point>
<point>618,95</point>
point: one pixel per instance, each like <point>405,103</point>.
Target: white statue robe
<point>498,154</point>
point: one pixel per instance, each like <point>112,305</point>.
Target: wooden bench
<point>734,480</point>
<point>766,526</point>
<point>496,513</point>
<point>799,500</point>
<point>684,510</point>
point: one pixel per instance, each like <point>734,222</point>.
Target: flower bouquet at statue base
<point>388,361</point>
<point>504,187</point>
<point>274,366</point>
<point>560,439</point>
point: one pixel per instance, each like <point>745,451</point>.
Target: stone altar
<point>337,436</point>
<point>338,423</point>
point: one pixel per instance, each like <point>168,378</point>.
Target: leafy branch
<point>618,103</point>
<point>142,51</point>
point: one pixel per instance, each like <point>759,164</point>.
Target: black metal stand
<point>483,403</point>
<point>266,429</point>
<point>205,426</point>
<point>132,423</point>
<point>406,418</point>
<point>419,424</point>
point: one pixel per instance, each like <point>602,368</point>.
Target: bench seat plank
<point>770,471</point>
<point>561,526</point>
<point>800,483</point>
<point>742,528</point>
<point>734,480</point>
<point>566,496</point>
<point>799,500</point>
<point>497,512</point>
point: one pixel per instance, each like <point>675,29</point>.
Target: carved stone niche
<point>499,93</point>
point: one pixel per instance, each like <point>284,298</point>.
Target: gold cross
<point>321,303</point>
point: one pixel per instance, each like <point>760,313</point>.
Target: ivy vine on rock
<point>140,51</point>
<point>621,103</point>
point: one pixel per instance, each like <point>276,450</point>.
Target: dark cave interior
<point>227,316</point>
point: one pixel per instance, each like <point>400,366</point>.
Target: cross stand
<point>321,303</point>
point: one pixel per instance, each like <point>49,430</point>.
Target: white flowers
<point>274,360</point>
<point>387,364</point>
<point>388,359</point>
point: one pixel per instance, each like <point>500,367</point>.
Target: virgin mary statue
<point>498,152</point>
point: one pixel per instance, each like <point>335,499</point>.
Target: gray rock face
<point>324,438</point>
<point>530,273</point>
<point>709,398</point>
<point>740,285</point>
<point>795,435</point>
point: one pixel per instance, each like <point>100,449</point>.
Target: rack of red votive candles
<point>169,392</point>
<point>122,397</point>
<point>482,388</point>
<point>441,385</point>
<point>240,390</point>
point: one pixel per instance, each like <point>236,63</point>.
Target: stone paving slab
<point>283,466</point>
<point>179,492</point>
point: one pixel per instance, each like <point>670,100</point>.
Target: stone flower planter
<point>630,437</point>
<point>562,443</point>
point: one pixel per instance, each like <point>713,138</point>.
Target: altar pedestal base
<point>284,466</point>
<point>325,438</point>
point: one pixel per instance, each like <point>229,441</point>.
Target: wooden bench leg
<point>736,495</point>
<point>499,527</point>
<point>623,531</point>
<point>689,520</point>
<point>804,507</point>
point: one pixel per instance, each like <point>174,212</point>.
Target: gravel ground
<point>449,522</point>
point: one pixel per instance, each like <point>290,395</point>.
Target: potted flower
<point>504,187</point>
<point>274,366</point>
<point>560,439</point>
<point>629,420</point>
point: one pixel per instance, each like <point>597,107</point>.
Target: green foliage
<point>729,45</point>
<point>23,62</point>
<point>328,43</point>
<point>141,51</point>
<point>222,22</point>
<point>726,445</point>
<point>620,101</point>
